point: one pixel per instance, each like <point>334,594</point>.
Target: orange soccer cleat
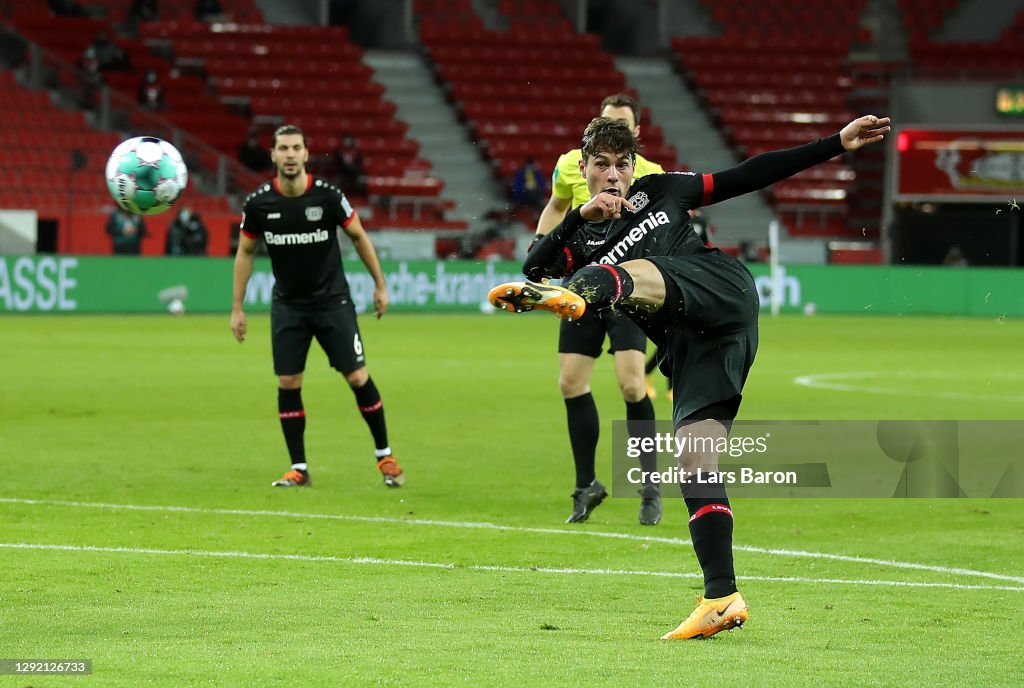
<point>710,617</point>
<point>293,479</point>
<point>526,296</point>
<point>392,472</point>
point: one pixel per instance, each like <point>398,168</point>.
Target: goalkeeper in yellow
<point>581,341</point>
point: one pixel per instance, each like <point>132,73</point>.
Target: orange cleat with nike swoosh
<point>712,616</point>
<point>516,297</point>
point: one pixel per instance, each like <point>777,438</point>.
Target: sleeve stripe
<point>351,217</point>
<point>249,234</point>
<point>568,260</point>
<point>709,186</point>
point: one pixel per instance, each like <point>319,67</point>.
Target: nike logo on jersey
<point>634,236</point>
<point>316,237</point>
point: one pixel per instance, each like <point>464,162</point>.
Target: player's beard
<point>290,176</point>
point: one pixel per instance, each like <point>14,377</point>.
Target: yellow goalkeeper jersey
<point>567,182</point>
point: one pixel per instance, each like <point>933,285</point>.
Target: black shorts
<point>586,335</point>
<point>710,342</point>
<point>335,328</point>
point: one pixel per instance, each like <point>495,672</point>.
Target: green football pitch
<point>138,527</point>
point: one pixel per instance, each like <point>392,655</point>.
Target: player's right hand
<point>605,206</point>
<point>238,324</point>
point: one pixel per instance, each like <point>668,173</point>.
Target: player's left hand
<point>864,130</point>
<point>380,301</point>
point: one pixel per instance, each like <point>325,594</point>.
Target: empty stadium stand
<point>190,106</point>
<point>328,91</point>
<point>209,70</point>
<point>958,59</point>
<point>779,76</point>
<point>38,145</point>
<point>527,91</point>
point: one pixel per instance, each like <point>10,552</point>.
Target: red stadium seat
<point>502,83</point>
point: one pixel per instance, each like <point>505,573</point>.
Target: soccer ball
<point>146,175</point>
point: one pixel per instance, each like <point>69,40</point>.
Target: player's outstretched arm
<point>763,170</point>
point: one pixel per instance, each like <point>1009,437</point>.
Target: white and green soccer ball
<point>146,175</point>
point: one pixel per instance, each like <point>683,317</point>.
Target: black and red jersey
<point>301,235</point>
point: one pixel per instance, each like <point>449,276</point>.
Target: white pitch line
<point>482,525</point>
<point>825,381</point>
<point>376,561</point>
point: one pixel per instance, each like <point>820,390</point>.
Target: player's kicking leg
<point>596,286</point>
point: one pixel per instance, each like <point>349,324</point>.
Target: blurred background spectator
<point>152,95</point>
<point>126,232</point>
<point>109,54</point>
<point>955,257</point>
<point>92,79</point>
<point>209,10</point>
<point>143,11</point>
<point>254,156</point>
<point>67,8</point>
<point>529,189</point>
<point>349,163</point>
<point>186,235</point>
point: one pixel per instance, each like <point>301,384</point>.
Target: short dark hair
<point>623,100</point>
<point>285,130</point>
<point>604,135</point>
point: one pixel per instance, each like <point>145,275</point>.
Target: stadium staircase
<point>409,84</point>
<point>933,55</point>
<point>979,21</point>
<point>743,219</point>
<point>778,76</point>
<point>330,92</point>
<point>222,77</point>
<point>527,91</point>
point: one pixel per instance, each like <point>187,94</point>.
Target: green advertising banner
<point>904,290</point>
<point>95,284</point>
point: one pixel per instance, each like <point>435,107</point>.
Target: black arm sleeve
<point>765,169</point>
<point>549,251</point>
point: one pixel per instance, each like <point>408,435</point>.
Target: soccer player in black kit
<point>298,217</point>
<point>697,304</point>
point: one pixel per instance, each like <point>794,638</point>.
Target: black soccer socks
<point>640,411</point>
<point>711,533</point>
<point>584,428</point>
<point>372,408</point>
<point>601,286</point>
<point>293,423</point>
